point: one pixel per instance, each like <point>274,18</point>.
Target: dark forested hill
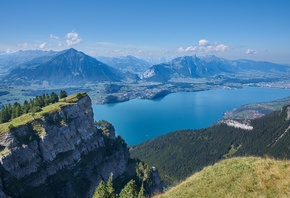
<point>178,154</point>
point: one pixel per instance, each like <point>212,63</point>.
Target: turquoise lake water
<point>139,120</point>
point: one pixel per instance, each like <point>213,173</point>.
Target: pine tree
<point>9,112</point>
<point>18,111</point>
<point>25,107</point>
<point>53,97</point>
<point>129,191</point>
<point>40,101</point>
<point>110,188</point>
<point>46,99</point>
<point>4,116</point>
<point>101,191</point>
<point>62,94</point>
<point>141,192</point>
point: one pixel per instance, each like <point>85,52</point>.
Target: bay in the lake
<point>139,120</point>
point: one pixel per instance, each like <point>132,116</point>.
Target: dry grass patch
<point>237,177</point>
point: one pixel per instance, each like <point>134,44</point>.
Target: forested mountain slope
<point>179,154</point>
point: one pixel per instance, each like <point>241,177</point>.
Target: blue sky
<point>251,29</point>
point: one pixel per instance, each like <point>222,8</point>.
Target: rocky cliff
<point>63,153</point>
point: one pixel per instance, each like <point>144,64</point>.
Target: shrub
<point>10,127</point>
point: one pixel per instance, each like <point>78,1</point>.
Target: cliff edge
<point>59,152</point>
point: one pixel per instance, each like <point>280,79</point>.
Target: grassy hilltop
<point>237,177</point>
<point>30,117</point>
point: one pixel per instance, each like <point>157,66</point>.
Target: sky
<point>232,29</point>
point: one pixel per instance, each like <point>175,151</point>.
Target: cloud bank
<point>204,46</point>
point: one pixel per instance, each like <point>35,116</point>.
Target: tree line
<point>106,190</point>
<point>138,186</point>
<point>9,112</point>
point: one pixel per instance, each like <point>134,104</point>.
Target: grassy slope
<point>29,117</point>
<point>237,177</point>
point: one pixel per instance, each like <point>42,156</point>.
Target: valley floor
<point>112,92</point>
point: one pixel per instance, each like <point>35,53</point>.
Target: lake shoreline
<point>138,120</point>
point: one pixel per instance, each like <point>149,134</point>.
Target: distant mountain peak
<point>65,67</point>
<point>187,58</point>
<point>209,58</point>
<point>70,51</point>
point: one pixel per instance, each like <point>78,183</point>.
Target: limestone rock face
<point>288,113</point>
<point>159,185</point>
<point>62,154</point>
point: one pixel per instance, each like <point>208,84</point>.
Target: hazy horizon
<point>255,30</point>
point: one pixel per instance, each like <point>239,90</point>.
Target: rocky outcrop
<point>64,153</point>
<point>242,124</point>
<point>288,113</point>
<point>159,185</point>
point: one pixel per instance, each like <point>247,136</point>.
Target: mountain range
<point>207,66</point>
<point>72,67</point>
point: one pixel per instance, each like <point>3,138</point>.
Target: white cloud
<point>42,45</point>
<point>191,49</point>
<point>54,37</point>
<point>249,51</point>
<point>203,42</point>
<point>181,49</point>
<point>221,48</point>
<point>188,49</point>
<point>204,46</point>
<point>73,38</point>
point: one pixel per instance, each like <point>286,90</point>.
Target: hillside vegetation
<point>237,177</point>
<point>179,154</point>
<point>33,115</point>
